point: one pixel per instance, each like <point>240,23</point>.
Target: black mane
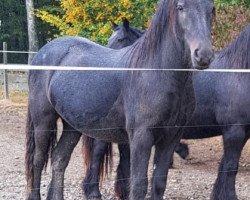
<point>163,22</point>
<point>237,54</point>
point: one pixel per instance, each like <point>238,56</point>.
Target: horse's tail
<point>106,161</point>
<point>30,149</point>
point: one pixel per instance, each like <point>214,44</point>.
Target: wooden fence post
<point>5,73</point>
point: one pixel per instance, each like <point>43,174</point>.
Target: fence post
<point>5,73</point>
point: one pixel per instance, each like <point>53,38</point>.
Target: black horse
<point>118,106</point>
<point>97,153</point>
<point>123,35</point>
<point>222,109</point>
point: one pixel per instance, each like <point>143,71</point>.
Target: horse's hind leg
<point>234,139</point>
<point>41,137</point>
<point>90,183</point>
<point>123,172</point>
<point>182,150</point>
<point>60,159</point>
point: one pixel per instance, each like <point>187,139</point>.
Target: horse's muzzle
<point>202,58</point>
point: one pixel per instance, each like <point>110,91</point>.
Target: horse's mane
<point>237,54</point>
<point>137,32</point>
<point>147,46</point>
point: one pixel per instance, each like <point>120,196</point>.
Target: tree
<point>33,41</point>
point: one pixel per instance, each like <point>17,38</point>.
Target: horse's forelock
<point>166,16</point>
<point>171,18</point>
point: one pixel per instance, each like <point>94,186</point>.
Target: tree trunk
<point>33,41</point>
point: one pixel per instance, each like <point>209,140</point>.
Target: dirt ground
<point>190,179</point>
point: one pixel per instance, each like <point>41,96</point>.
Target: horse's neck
<point>120,57</point>
<point>173,54</point>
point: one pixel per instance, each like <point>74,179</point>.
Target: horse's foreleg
<point>123,172</point>
<point>141,142</point>
<point>60,159</point>
<point>163,153</point>
<point>234,139</point>
<point>90,183</point>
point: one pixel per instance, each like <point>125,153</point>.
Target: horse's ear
<point>125,23</point>
<point>114,25</point>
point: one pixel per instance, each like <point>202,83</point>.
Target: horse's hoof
<point>95,198</point>
<point>33,197</point>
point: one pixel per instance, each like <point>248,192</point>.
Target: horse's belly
<point>116,135</point>
<point>83,99</point>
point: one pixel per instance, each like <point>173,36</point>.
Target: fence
<point>12,78</point>
<point>7,68</point>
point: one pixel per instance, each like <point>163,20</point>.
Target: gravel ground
<point>190,179</point>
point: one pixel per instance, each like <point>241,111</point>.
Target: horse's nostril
<point>196,53</point>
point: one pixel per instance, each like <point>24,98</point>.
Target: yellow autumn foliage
<point>92,18</point>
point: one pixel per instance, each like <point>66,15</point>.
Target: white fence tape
<point>75,68</point>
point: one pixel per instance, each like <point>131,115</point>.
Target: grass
<point>16,97</point>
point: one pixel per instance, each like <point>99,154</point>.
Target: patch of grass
<point>17,97</point>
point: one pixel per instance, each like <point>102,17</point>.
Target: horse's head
<point>123,35</point>
<point>194,21</point>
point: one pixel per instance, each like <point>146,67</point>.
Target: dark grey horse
<point>87,101</point>
<point>223,108</point>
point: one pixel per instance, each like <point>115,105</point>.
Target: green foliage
<point>13,28</point>
<point>92,18</point>
<point>222,3</point>
<point>45,32</point>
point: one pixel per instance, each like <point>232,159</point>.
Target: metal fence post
<point>5,73</point>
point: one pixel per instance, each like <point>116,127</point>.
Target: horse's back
<point>75,51</point>
<point>232,95</point>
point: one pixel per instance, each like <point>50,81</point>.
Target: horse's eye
<point>121,39</point>
<point>180,7</point>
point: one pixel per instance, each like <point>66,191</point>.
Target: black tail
<point>30,147</point>
<point>106,161</point>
